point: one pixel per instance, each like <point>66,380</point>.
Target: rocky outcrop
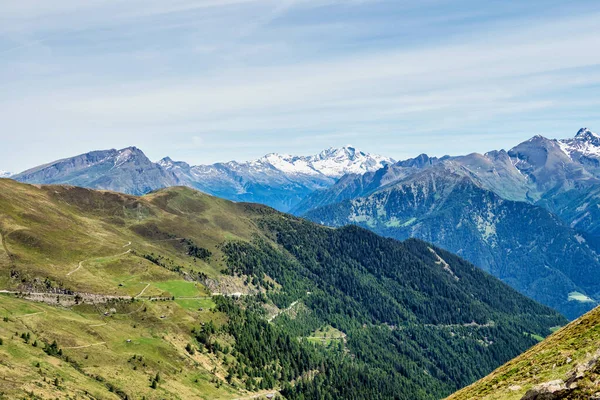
<point>576,386</point>
<point>552,390</point>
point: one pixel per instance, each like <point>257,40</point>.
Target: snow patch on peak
<point>586,134</point>
<point>332,163</point>
<point>289,164</point>
<point>5,174</point>
<point>123,156</point>
<point>126,155</point>
<point>344,160</point>
<point>169,164</point>
<point>537,138</point>
<point>585,143</point>
<point>165,162</point>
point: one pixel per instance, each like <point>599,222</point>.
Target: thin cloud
<point>294,75</point>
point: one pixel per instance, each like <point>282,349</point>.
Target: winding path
<point>97,258</point>
<point>142,292</point>
<point>28,315</point>
<point>282,311</point>
<point>88,345</point>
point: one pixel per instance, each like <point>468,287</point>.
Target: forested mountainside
<point>178,294</point>
<point>526,246</point>
<point>564,366</point>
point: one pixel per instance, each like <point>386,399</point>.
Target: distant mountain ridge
<point>127,170</point>
<point>524,245</point>
<point>5,174</point>
<point>529,215</point>
<point>562,176</point>
<point>279,181</point>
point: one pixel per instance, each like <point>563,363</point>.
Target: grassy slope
<point>99,345</point>
<point>49,231</point>
<point>90,241</point>
<point>554,358</point>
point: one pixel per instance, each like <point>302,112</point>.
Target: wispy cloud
<point>212,80</point>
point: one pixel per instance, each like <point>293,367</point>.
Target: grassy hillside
<point>570,355</point>
<point>61,241</point>
<point>128,288</point>
<point>105,356</point>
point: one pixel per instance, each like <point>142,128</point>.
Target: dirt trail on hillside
<point>86,346</point>
<point>97,258</point>
<point>142,292</point>
<point>282,311</point>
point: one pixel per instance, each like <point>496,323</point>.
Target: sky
<point>215,80</point>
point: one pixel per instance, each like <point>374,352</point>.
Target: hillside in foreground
<point>177,294</point>
<point>564,366</point>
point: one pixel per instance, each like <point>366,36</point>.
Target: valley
<point>119,295</point>
<point>299,200</point>
<point>532,205</point>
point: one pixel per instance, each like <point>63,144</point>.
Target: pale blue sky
<point>214,80</point>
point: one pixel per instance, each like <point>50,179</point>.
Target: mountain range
<point>526,246</point>
<point>280,181</point>
<point>127,170</point>
<point>529,215</point>
<point>541,171</point>
<point>178,294</point>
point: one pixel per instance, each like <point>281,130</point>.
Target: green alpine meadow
<point>177,294</point>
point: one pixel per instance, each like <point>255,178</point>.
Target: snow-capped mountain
<point>280,181</point>
<point>5,174</point>
<point>585,144</point>
<point>346,160</point>
<point>331,163</point>
<point>529,215</point>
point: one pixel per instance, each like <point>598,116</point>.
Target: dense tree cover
<point>524,245</point>
<point>196,251</point>
<point>414,330</point>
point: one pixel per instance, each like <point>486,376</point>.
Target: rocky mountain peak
<point>335,162</point>
<point>586,135</point>
<point>165,162</point>
<point>346,152</point>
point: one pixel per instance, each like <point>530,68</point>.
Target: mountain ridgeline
<point>280,181</point>
<point>524,245</point>
<point>316,312</point>
<point>564,366</point>
<point>528,215</point>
